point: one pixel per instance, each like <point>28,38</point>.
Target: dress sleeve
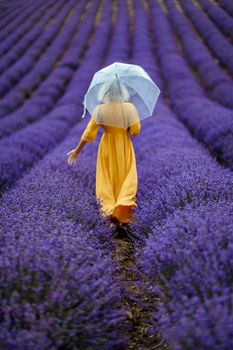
<point>135,127</point>
<point>91,131</point>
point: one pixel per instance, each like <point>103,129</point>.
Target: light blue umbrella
<point>121,83</point>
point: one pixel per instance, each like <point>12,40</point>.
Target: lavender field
<point>65,283</point>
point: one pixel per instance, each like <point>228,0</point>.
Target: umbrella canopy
<point>118,85</point>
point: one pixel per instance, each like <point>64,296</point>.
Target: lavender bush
<point>23,149</point>
<point>222,20</point>
<point>227,5</point>
<point>43,99</point>
<point>210,122</point>
<point>186,215</point>
<point>220,47</point>
<point>216,82</point>
<point>61,280</point>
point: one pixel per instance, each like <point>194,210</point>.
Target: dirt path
<point>139,315</point>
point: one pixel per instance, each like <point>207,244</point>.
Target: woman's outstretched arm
<point>88,135</point>
<point>74,152</point>
<point>80,146</point>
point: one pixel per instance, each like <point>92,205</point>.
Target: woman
<point>116,173</point>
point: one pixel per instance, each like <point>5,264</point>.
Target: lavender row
<point>70,275</point>
<point>142,53</point>
<point>222,20</point>
<point>17,46</point>
<point>119,45</point>
<point>67,296</point>
<point>209,122</point>
<point>18,24</point>
<point>227,5</point>
<point>13,75</point>
<point>186,212</point>
<point>190,258</point>
<point>218,84</point>
<point>12,10</point>
<point>47,96</point>
<point>218,44</point>
<point>23,149</point>
<point>6,9</point>
<point>19,87</point>
<point>186,209</point>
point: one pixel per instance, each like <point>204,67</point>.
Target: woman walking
<point>118,97</point>
<point>116,173</point>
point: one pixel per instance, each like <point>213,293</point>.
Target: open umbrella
<point>121,83</point>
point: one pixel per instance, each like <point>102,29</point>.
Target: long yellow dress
<point>116,173</point>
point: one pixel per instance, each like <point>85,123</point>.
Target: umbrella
<point>117,85</point>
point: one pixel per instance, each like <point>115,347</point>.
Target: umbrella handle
<point>84,112</point>
<point>121,95</point>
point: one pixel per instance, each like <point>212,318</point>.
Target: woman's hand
<point>73,156</point>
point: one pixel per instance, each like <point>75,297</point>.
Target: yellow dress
<point>116,173</point>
